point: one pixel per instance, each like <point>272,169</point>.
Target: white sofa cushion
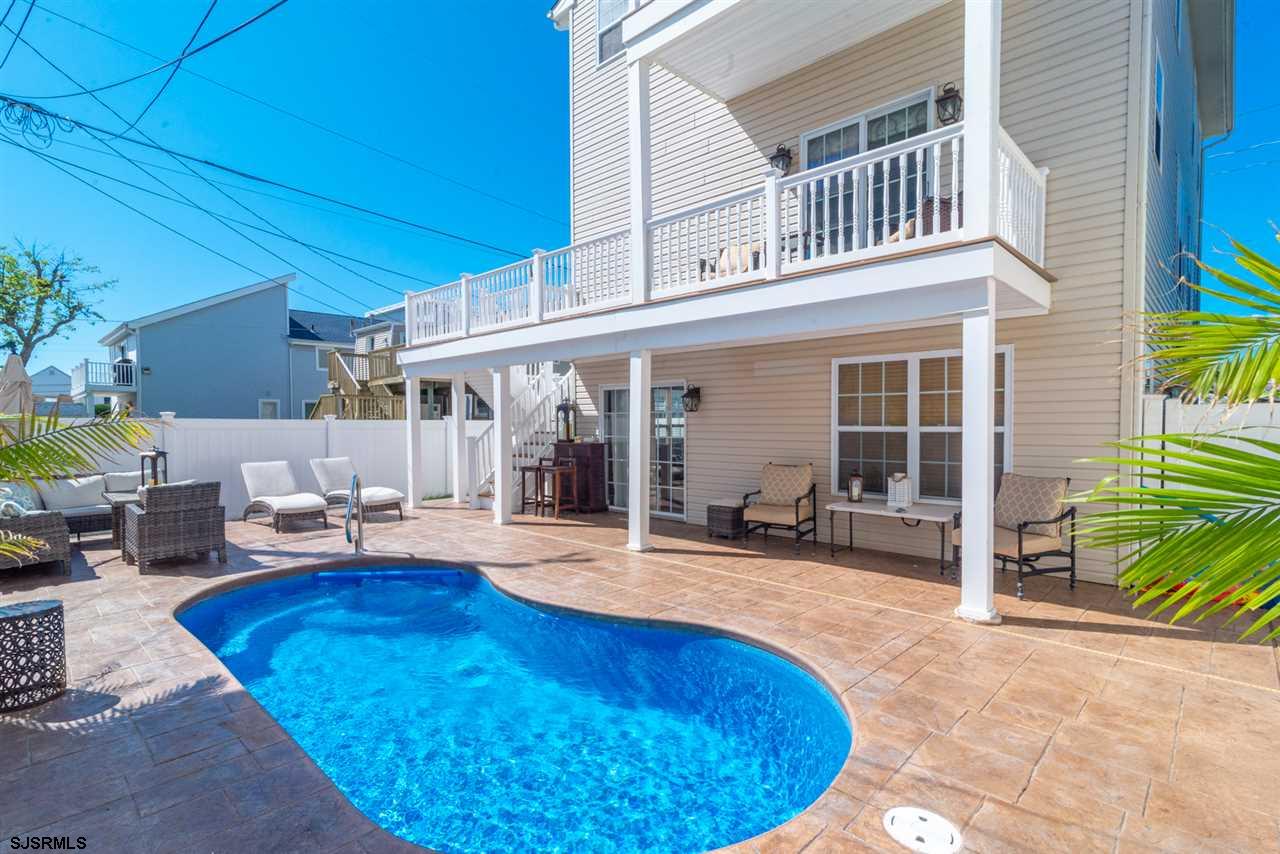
<point>123,481</point>
<point>66,493</point>
<point>86,510</point>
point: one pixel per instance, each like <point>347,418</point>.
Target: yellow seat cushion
<point>1005,543</point>
<point>776,514</point>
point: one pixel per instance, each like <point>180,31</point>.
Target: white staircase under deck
<point>535,396</point>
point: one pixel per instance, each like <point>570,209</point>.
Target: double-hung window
<point>904,413</point>
<point>609,15</point>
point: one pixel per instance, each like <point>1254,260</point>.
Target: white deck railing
<point>893,199</point>
<point>101,375</point>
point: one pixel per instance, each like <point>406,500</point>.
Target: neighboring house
<point>901,292</point>
<point>239,354</point>
<point>50,382</point>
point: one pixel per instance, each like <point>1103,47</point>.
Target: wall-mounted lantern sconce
<point>691,398</point>
<point>781,159</point>
<point>950,105</point>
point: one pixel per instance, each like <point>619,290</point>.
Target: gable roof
<point>119,333</point>
<point>323,326</point>
<point>51,369</point>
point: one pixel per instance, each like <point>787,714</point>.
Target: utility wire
<point>249,176</point>
<point>314,124</point>
<point>224,193</point>
<point>7,10</point>
<point>16,35</point>
<point>175,61</point>
<point>1245,150</point>
<point>177,201</point>
<point>173,71</point>
<point>173,230</point>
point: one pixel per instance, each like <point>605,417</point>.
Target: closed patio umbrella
<point>15,387</point>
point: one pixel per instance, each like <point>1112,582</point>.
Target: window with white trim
<point>609,15</point>
<point>904,413</point>
<point>322,358</point>
<point>268,408</point>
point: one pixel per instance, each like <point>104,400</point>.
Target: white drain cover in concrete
<point>922,831</point>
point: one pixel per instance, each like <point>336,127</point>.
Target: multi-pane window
<point>609,15</point>
<point>886,129</point>
<point>666,448</point>
<point>905,414</point>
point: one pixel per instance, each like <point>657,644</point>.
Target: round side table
<point>33,658</point>
<point>724,518</point>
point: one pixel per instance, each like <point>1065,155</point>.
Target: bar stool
<point>539,487</point>
<point>564,469</point>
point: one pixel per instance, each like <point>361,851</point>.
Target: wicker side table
<point>33,657</point>
<point>724,518</point>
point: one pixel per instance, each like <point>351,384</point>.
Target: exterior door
<point>666,449</point>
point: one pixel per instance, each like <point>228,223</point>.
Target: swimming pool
<point>464,720</point>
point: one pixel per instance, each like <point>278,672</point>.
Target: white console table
<point>912,517</point>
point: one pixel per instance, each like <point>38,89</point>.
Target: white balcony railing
<point>896,198</point>
<point>106,376</point>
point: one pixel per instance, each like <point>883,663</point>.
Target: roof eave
<point>559,13</point>
<point>1213,45</point>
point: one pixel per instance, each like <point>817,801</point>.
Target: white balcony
<point>900,199</point>
<point>90,376</point>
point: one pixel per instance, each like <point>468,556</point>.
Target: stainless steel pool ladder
<point>355,506</point>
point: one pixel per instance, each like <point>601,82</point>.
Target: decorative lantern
<point>781,159</point>
<point>949,104</point>
<point>159,461</point>
<point>899,489</point>
<point>854,492</point>
<point>565,422</point>
<point>691,398</point>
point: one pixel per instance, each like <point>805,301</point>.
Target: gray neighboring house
<point>50,382</point>
<point>239,354</point>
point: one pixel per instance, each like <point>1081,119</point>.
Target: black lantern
<point>950,105</point>
<point>781,159</point>
<point>691,398</point>
<point>159,461</point>
<point>565,425</point>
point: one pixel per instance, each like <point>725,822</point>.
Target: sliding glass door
<point>666,449</point>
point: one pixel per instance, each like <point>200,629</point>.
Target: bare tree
<point>43,296</point>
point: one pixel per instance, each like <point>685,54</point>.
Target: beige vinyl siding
<point>598,132</point>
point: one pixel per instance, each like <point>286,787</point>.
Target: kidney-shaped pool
<point>461,719</point>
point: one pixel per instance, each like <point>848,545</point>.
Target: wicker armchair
<point>176,520</point>
<point>48,526</point>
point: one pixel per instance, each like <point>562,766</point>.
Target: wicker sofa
<point>175,520</point>
<point>78,499</point>
<point>48,526</point>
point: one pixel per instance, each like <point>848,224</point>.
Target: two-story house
<point>879,236</point>
<point>239,354</point>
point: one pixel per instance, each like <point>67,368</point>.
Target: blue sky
<point>480,97</point>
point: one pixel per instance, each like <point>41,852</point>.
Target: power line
<point>16,35</point>
<point>17,105</point>
<point>175,61</point>
<point>173,230</point>
<point>314,124</point>
<point>187,166</point>
<point>1245,150</point>
<point>1243,168</point>
<point>173,71</point>
<point>177,201</point>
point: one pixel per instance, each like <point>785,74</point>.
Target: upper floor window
<point>1177,23</point>
<point>1157,110</point>
<point>609,14</point>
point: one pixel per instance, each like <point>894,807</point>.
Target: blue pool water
<point>463,720</point>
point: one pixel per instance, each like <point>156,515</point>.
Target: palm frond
<point>19,546</point>
<point>36,447</point>
<point>1218,357</point>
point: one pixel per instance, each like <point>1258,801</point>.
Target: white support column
<point>977,449</point>
<point>982,24</point>
<point>502,446</point>
<point>416,480</point>
<point>464,289</point>
<point>639,415</point>
<point>638,148</point>
<point>461,459</point>
<point>772,224</point>
<point>537,283</point>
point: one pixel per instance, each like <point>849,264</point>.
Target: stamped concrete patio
<point>1075,726</point>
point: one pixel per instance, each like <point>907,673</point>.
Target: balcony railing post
<point>536,285</point>
<point>638,157</point>
<point>772,224</point>
<point>464,289</point>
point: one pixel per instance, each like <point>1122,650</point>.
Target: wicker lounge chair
<point>175,520</point>
<point>1029,516</point>
<point>273,490</point>
<point>48,526</point>
<point>787,499</point>
<point>334,475</point>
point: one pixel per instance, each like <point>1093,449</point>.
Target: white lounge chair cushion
<point>370,494</point>
<point>300,502</point>
<point>334,474</point>
<point>267,479</point>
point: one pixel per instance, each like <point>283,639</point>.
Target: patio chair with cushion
<point>1029,516</point>
<point>48,526</point>
<point>273,490</point>
<point>787,499</point>
<point>334,476</point>
<point>175,520</point>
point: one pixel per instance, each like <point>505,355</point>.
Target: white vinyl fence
<point>1170,415</point>
<point>214,448</point>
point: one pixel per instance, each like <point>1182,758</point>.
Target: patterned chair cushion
<point>1030,499</point>
<point>784,484</point>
